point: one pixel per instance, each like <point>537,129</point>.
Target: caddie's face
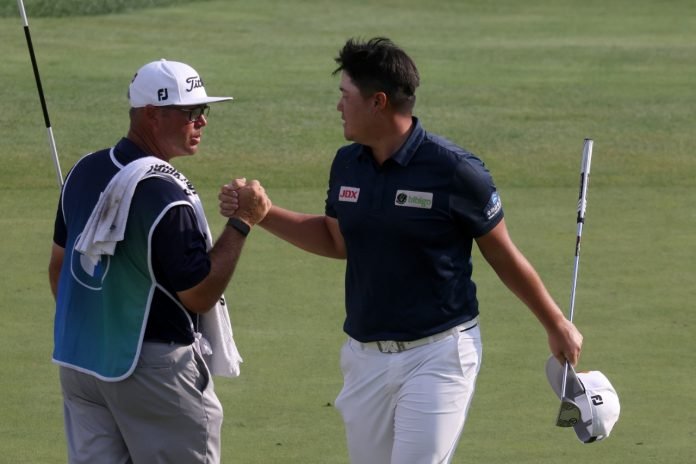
<point>356,111</point>
<point>178,135</point>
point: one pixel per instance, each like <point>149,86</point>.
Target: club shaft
<point>582,207</point>
<point>39,87</point>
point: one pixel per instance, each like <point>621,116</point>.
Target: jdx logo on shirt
<point>349,194</point>
<point>414,199</point>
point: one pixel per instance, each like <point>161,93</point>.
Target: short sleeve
<point>330,209</point>
<point>60,230</point>
<point>178,248</point>
<point>474,200</point>
<point>179,254</point>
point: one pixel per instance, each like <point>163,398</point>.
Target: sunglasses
<point>194,113</point>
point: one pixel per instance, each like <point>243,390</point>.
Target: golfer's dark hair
<point>378,65</point>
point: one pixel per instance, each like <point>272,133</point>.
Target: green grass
<point>66,8</point>
<point>519,83</point>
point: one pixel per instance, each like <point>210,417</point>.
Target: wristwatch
<point>241,226</point>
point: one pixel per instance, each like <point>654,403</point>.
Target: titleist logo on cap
<point>194,83</point>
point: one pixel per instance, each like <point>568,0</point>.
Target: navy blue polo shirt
<point>409,227</point>
<point>178,249</point>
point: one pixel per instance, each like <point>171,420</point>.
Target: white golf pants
<point>408,407</point>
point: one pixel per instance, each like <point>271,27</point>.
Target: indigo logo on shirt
<point>414,199</point>
<point>350,194</point>
<point>494,205</point>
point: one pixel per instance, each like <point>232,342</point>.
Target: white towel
<point>107,223</point>
<point>106,226</point>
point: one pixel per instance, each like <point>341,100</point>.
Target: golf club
<point>51,141</point>
<point>569,412</point>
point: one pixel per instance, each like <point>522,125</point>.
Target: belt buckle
<point>390,346</point>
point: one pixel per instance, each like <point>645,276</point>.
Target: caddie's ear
<point>153,117</point>
<point>151,112</point>
<point>141,116</point>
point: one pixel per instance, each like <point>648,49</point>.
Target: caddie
<point>141,322</point>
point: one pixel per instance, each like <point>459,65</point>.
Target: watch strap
<point>239,225</point>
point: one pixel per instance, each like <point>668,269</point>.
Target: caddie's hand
<point>565,342</point>
<point>229,198</point>
<point>253,202</point>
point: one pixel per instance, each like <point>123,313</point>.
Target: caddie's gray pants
<point>165,412</point>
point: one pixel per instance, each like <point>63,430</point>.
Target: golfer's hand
<point>565,342</point>
<point>247,201</point>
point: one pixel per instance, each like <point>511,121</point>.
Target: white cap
<point>163,83</point>
<point>593,394</point>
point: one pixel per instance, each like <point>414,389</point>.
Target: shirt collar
<point>404,154</point>
<point>126,151</point>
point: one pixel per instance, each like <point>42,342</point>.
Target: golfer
<point>404,207</point>
<point>141,323</point>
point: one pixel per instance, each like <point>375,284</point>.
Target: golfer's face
<point>356,111</point>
